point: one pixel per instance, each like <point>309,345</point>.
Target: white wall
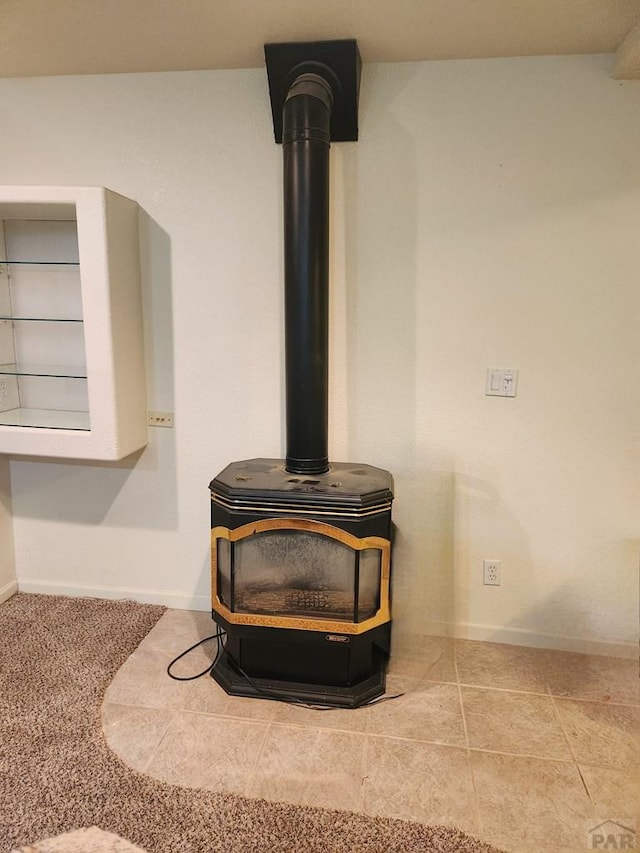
<point>489,216</point>
<point>8,585</point>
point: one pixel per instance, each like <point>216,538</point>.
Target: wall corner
<point>8,583</point>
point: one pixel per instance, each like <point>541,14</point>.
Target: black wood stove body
<point>300,547</point>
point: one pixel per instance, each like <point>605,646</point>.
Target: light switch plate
<point>501,382</point>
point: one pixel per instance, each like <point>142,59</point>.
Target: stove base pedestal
<point>340,671</point>
<point>236,684</point>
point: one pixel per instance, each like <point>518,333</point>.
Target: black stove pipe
<point>306,138</point>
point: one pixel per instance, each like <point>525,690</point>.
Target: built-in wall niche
<point>71,355</point>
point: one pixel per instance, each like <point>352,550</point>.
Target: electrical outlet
<point>3,389</point>
<point>160,419</point>
<point>491,572</point>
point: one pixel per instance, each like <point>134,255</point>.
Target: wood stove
<point>301,548</point>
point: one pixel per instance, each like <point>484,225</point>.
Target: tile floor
<point>525,748</point>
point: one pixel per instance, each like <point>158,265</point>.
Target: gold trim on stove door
<point>302,623</point>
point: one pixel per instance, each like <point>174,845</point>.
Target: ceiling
<point>51,37</point>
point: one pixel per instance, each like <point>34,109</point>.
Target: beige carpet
<point>57,656</point>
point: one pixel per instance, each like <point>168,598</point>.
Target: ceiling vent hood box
<point>337,61</point>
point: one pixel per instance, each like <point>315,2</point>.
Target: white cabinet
<point>72,380</point>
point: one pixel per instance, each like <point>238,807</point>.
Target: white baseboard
<point>542,640</point>
<point>526,637</point>
<point>174,600</point>
<point>458,630</point>
<point>8,590</point>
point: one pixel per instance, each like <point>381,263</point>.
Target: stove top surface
<point>344,483</point>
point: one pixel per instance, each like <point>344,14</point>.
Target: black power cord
<point>219,637</point>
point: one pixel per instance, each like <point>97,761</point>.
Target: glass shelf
<point>42,319</point>
<point>41,263</point>
<point>46,418</point>
<point>62,371</point>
